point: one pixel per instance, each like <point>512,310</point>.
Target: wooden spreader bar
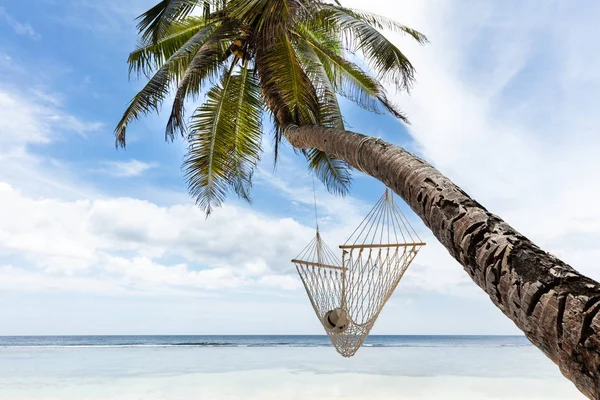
<point>312,264</point>
<point>378,246</point>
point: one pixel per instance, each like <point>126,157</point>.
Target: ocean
<point>275,367</point>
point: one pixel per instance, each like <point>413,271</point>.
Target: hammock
<point>348,296</point>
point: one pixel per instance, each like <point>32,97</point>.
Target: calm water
<point>275,367</point>
<point>257,341</point>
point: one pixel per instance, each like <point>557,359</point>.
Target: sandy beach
<point>425,372</point>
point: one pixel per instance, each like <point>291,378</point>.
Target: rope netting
<point>321,273</point>
<point>376,257</point>
<point>349,296</point>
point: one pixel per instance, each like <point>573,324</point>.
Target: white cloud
<point>134,245</point>
<point>128,240</point>
<point>113,19</point>
<point>20,28</point>
<point>127,169</point>
<point>37,119</point>
<point>68,238</point>
<point>22,124</point>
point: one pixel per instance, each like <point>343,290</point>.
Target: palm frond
<point>384,58</point>
<point>247,134</point>
<point>247,10</point>
<point>381,22</point>
<point>287,90</point>
<point>155,23</point>
<point>155,91</point>
<point>330,112</point>
<point>330,40</point>
<point>225,140</point>
<point>150,56</point>
<point>267,16</point>
<point>203,68</point>
<point>285,84</point>
<point>335,174</point>
<point>350,81</point>
<point>206,164</point>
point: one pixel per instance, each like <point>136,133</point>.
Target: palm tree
<point>286,58</point>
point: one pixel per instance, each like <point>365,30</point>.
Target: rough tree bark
<point>554,305</point>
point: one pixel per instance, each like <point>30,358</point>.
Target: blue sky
<point>99,241</point>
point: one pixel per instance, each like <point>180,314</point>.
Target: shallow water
<point>276,367</point>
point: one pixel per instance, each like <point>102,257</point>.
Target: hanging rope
<point>321,273</point>
<point>315,201</point>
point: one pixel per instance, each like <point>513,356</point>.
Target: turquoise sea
<point>275,367</point>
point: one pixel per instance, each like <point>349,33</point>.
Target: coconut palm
<point>288,59</point>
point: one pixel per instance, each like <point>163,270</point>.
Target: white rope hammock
<point>348,296</point>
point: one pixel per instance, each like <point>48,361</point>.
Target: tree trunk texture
<point>554,305</point>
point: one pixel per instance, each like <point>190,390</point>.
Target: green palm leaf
<point>330,112</point>
<point>385,59</point>
<point>381,22</point>
<point>203,68</point>
<point>155,23</point>
<point>155,91</point>
<point>225,140</point>
<point>268,17</point>
<point>285,82</point>
<point>330,40</point>
<point>247,133</point>
<point>350,80</point>
<point>287,90</point>
<point>335,174</point>
<point>151,56</point>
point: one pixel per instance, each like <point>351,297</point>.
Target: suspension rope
<point>315,201</point>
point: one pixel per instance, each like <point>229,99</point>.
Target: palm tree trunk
<point>554,305</point>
